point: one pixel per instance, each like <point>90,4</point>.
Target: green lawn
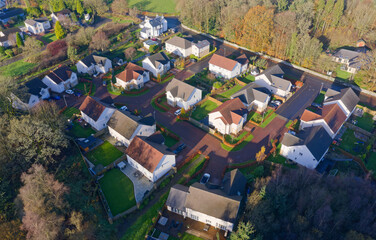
<point>104,154</point>
<point>84,88</point>
<point>197,167</point>
<point>342,75</point>
<point>320,98</point>
<point>233,140</point>
<point>117,19</point>
<point>69,112</point>
<point>230,92</point>
<point>350,143</point>
<point>169,141</point>
<point>247,79</point>
<point>182,169</point>
<point>17,68</point>
<point>258,118</point>
<point>158,6</point>
<point>371,163</point>
<point>238,147</point>
<point>268,120</point>
<point>49,37</point>
<point>365,122</point>
<point>79,132</point>
<point>118,190</point>
<point>203,109</point>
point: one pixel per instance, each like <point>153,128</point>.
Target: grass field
<point>104,154</point>
<point>230,92</point>
<point>238,147</point>
<point>70,111</point>
<point>342,75</point>
<point>203,109</point>
<point>158,6</point>
<point>17,69</point>
<point>350,143</point>
<point>118,190</point>
<point>365,122</point>
<point>247,79</point>
<point>80,132</point>
<point>49,37</point>
<point>320,98</point>
<point>371,163</point>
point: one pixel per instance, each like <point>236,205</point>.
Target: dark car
<point>55,97</point>
<point>77,94</point>
<point>180,148</point>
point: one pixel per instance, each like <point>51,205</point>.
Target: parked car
<point>276,102</point>
<point>123,108</point>
<point>273,105</point>
<point>178,112</point>
<point>70,92</point>
<point>292,132</point>
<point>205,178</point>
<point>180,148</point>
<point>55,97</point>
<point>77,94</point>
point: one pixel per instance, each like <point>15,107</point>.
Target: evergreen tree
<point>19,40</point>
<point>60,5</point>
<point>337,12</point>
<point>59,31</point>
<point>79,8</point>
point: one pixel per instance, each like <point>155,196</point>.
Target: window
<point>301,154</point>
<point>208,221</point>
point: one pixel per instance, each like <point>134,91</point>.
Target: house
<point>153,27</point>
<point>229,117</point>
<point>149,43</point>
<point>36,26</point>
<point>8,36</point>
<point>201,48</point>
<point>254,97</point>
<point>60,15</point>
<point>94,64</point>
<point>224,67</point>
<point>181,94</point>
<point>7,14</point>
<point>152,159</point>
<point>345,98</point>
<point>29,94</point>
<point>61,79</point>
<point>124,127</point>
<point>349,59</point>
<point>272,79</point>
<point>179,46</point>
<point>133,77</point>
<point>234,183</point>
<point>157,64</point>
<point>244,62</point>
<point>95,113</point>
<point>209,206</point>
<point>308,147</point>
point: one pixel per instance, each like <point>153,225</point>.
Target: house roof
<point>60,75</point>
<point>94,59</point>
<point>158,58</point>
<point>212,202</point>
<point>92,108</point>
<point>12,12</point>
<point>32,87</point>
<point>346,54</point>
<point>131,71</point>
<point>347,96</point>
<point>147,153</point>
<point>234,182</point>
<point>252,92</point>
<point>315,138</point>
<point>202,44</point>
<point>274,70</point>
<point>33,22</point>
<point>155,21</point>
<point>279,82</point>
<point>232,111</point>
<point>180,89</point>
<point>177,197</point>
<point>179,42</point>
<point>223,62</point>
<point>156,137</point>
<point>63,12</point>
<point>4,34</point>
<point>242,59</point>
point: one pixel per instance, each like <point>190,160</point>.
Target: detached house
<point>201,48</point>
<point>345,98</point>
<point>224,67</point>
<point>350,59</point>
<point>8,36</point>
<point>60,15</point>
<point>37,26</point>
<point>7,14</point>
<point>153,27</point>
<point>181,94</point>
<point>124,127</point>
<point>244,62</point>
<point>29,94</point>
<point>209,206</point>
<point>96,114</point>
<point>152,159</point>
<point>272,79</point>
<point>157,64</point>
<point>61,79</point>
<point>94,64</point>
<point>229,117</point>
<point>308,147</point>
<point>133,77</point>
<point>254,97</point>
<point>184,48</point>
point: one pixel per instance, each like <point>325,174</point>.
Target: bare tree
<point>119,7</point>
<point>100,41</point>
<point>130,53</point>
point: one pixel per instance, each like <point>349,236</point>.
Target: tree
<point>261,63</point>
<point>153,48</point>
<point>100,41</point>
<point>83,37</point>
<point>130,53</point>
<point>260,156</point>
<point>11,230</point>
<point>56,47</point>
<point>244,232</point>
<point>32,47</point>
<point>43,200</point>
<point>19,40</point>
<point>133,12</point>
<point>72,54</point>
<point>79,8</point>
<point>217,85</point>
<point>367,74</point>
<point>97,6</point>
<point>119,7</point>
<point>59,31</point>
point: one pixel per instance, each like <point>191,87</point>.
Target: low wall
<point>358,129</point>
<point>201,125</point>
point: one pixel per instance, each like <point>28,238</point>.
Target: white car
<point>178,112</point>
<point>123,108</point>
<point>70,92</point>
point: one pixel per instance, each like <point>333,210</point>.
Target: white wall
<point>82,68</point>
<point>139,82</point>
<point>195,97</point>
<point>149,66</point>
<point>263,81</point>
<point>301,155</point>
<point>178,51</point>
<point>118,136</point>
<point>224,72</point>
<point>59,88</point>
<point>165,165</point>
<point>200,52</point>
<point>215,222</point>
<point>137,166</point>
<point>102,120</point>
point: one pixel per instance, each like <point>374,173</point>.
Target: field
<point>78,131</point>
<point>118,190</point>
<point>158,6</point>
<point>104,154</point>
<point>49,37</point>
<point>17,69</point>
<point>203,109</point>
<point>230,92</point>
<point>365,122</point>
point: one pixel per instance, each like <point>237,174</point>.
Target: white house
<point>153,27</point>
<point>94,64</point>
<point>181,94</point>
<point>345,98</point>
<point>153,160</point>
<point>254,97</point>
<point>272,79</point>
<point>61,79</point>
<point>350,59</point>
<point>209,206</point>
<point>124,127</point>
<point>29,94</point>
<point>60,15</point>
<point>37,26</point>
<point>8,36</point>
<point>184,48</point>
<point>201,48</point>
<point>229,117</point>
<point>133,77</point>
<point>224,67</point>
<point>158,63</point>
<point>244,62</point>
<point>95,113</point>
<point>308,147</point>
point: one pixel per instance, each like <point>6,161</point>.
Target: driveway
<point>141,183</point>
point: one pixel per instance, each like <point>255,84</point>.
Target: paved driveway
<point>141,184</point>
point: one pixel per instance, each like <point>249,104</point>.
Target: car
<point>180,148</point>
<point>193,60</point>
<point>55,97</point>
<point>277,102</point>
<point>178,112</point>
<point>77,94</point>
<point>104,83</point>
<point>292,132</point>
<point>273,105</point>
<point>70,92</point>
<point>123,108</point>
<point>205,178</point>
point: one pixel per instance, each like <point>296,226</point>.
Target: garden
<point>351,144</point>
<point>85,88</point>
<point>233,140</point>
<point>238,147</point>
<point>157,6</point>
<point>170,138</point>
<point>341,74</point>
<point>247,79</point>
<point>231,89</point>
<point>371,163</point>
<point>105,154</point>
<point>203,110</point>
<point>262,119</point>
<point>17,68</point>
<point>202,80</point>
<point>320,98</point>
<point>118,191</point>
<point>365,122</point>
<point>78,131</point>
<point>49,37</point>
<point>160,103</point>
<point>70,111</point>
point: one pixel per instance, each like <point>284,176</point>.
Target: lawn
<point>118,190</point>
<point>342,75</point>
<point>104,154</point>
<point>49,37</point>
<point>79,132</point>
<point>247,79</point>
<point>268,119</point>
<point>233,140</point>
<point>69,112</point>
<point>169,141</point>
<point>182,169</point>
<point>119,19</point>
<point>158,6</point>
<point>238,147</point>
<point>203,109</point>
<point>320,98</point>
<point>84,88</point>
<point>17,68</point>
<point>230,92</point>
<point>350,143</point>
<point>258,118</point>
<point>365,122</point>
<point>371,163</point>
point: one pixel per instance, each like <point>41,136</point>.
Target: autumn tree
<point>260,156</point>
<point>119,7</point>
<point>32,47</point>
<point>244,232</point>
<point>97,6</point>
<point>72,54</point>
<point>59,31</point>
<point>100,41</point>
<point>11,230</point>
<point>130,53</point>
<point>83,37</point>
<point>367,74</point>
<point>79,8</point>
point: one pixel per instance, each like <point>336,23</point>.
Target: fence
<point>201,125</point>
<point>207,158</point>
<point>358,129</point>
<point>189,158</point>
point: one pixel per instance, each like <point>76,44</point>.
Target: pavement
<point>141,184</point>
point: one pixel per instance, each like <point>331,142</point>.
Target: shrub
<point>9,52</point>
<point>56,47</point>
<point>258,172</point>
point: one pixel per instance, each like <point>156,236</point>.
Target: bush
<point>217,85</point>
<point>56,47</point>
<point>258,172</point>
<point>9,52</point>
